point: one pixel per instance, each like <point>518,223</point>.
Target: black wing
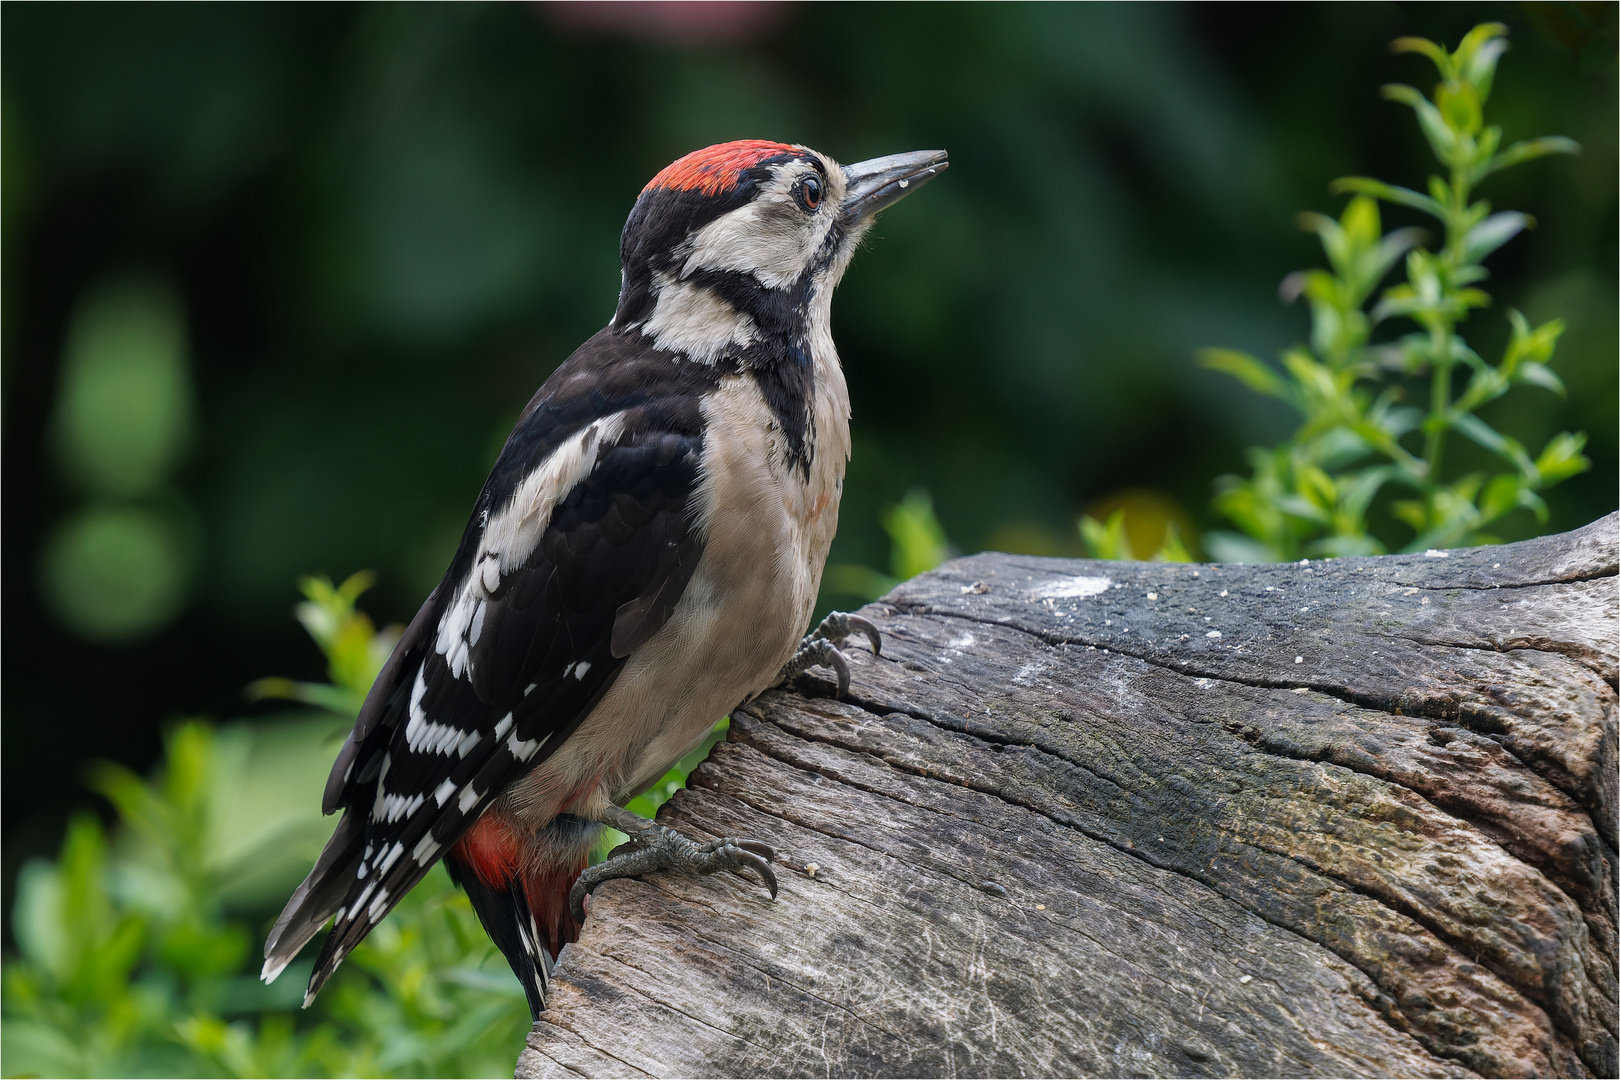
<point>580,546</point>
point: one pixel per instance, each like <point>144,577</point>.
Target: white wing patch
<point>524,749</point>
<point>390,808</point>
<point>512,533</point>
<point>425,736</point>
<point>354,908</point>
<point>388,860</point>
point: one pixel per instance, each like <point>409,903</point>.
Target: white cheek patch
<point>513,532</point>
<point>691,319</point>
<point>770,237</point>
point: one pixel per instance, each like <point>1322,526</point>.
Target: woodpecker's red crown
<point>718,168</point>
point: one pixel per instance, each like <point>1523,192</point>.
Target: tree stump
<point>1340,817</point>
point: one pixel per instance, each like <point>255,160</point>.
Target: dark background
<point>386,225</point>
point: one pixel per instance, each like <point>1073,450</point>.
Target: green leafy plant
<point>1108,539</point>
<point>137,946</point>
<point>138,951</point>
<point>1312,494</point>
<point>355,650</point>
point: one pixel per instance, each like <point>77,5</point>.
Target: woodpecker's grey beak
<point>874,184</point>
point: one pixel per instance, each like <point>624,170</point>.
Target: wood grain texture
<point>1345,817</point>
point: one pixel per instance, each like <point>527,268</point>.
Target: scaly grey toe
<point>665,849</point>
<point>816,652</point>
<point>820,649</point>
<point>839,625</point>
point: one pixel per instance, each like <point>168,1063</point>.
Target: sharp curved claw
<point>764,851</point>
<point>865,626</point>
<point>836,660</point>
<point>759,866</point>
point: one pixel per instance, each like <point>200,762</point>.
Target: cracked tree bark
<point>1350,817</point>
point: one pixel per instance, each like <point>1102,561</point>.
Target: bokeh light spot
<point>115,574</point>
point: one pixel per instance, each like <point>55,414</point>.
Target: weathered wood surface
<point>1346,818</point>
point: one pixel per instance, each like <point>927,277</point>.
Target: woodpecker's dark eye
<point>808,192</point>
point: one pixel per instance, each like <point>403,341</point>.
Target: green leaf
<point>1315,379</point>
<point>1301,507</point>
<point>1442,139</point>
<point>1529,150</point>
<point>1477,54</point>
<point>1357,490</point>
<point>1530,345</point>
<point>1388,251</point>
<point>1541,375</point>
<point>1459,106</point>
<point>1441,58</point>
<point>1466,488</point>
<point>918,539</point>
<point>1360,222</point>
<point>1562,458</point>
<point>336,699</point>
<point>1492,233</point>
<point>1535,503</point>
<point>1107,540</point>
<point>1482,433</point>
<point>1412,512</point>
<point>1247,370</point>
<point>1174,548</point>
<point>1500,496</point>
<point>1389,193</point>
<point>1316,486</point>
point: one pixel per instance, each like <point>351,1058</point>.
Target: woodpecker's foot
<point>665,849</point>
<point>820,648</point>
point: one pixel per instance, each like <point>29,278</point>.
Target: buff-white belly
<point>738,621</point>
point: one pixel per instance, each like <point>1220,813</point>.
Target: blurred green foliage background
<point>277,279</point>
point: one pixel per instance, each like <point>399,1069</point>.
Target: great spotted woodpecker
<point>644,556</point>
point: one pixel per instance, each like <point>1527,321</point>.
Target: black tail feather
<point>318,897</point>
<point>509,922</point>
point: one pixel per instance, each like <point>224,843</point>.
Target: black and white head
<point>734,250</point>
